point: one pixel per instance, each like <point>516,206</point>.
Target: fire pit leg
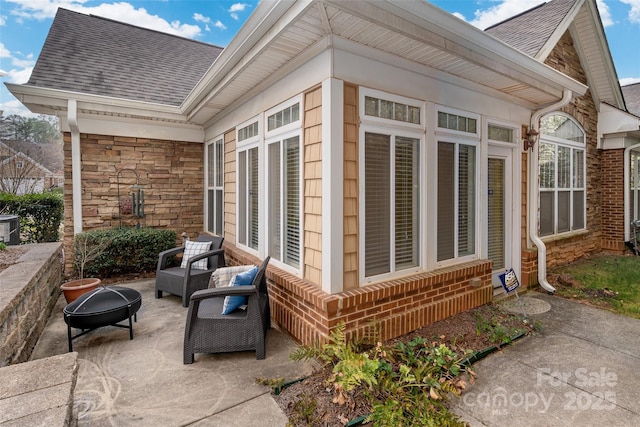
<point>69,337</point>
<point>130,322</point>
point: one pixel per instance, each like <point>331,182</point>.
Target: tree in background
<point>42,129</point>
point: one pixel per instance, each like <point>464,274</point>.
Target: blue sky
<point>24,25</point>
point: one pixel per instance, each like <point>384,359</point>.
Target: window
<point>248,180</point>
<point>248,176</point>
<point>455,122</point>
<point>391,203</point>
<point>215,182</point>
<point>562,175</point>
<point>385,109</point>
<point>284,183</point>
<point>457,195</point>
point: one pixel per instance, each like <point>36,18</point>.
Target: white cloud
<point>629,81</point>
<point>634,13</point>
<point>121,11</point>
<point>201,18</point>
<point>15,107</point>
<point>220,25</point>
<point>3,20</point>
<point>4,52</point>
<point>237,7</point>
<point>605,13</point>
<point>502,10</point>
<point>19,76</point>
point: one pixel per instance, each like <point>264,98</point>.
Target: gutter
<point>76,166</point>
<point>534,190</point>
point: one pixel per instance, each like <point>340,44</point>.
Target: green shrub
<point>126,250</point>
<point>40,215</point>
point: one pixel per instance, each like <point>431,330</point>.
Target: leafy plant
<point>407,384</point>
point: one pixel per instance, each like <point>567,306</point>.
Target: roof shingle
<point>631,95</point>
<point>95,55</point>
<point>530,30</point>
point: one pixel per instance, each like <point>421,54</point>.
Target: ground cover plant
<point>405,381</point>
<point>611,282</point>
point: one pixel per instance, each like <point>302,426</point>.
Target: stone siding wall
<point>561,250</point>
<point>29,290</point>
<point>170,172</point>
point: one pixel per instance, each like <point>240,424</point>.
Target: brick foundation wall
<point>396,307</point>
<point>30,289</point>
<point>171,173</point>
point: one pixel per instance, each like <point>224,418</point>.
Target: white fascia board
<point>445,31</point>
<point>617,128</point>
<point>134,128</point>
<point>265,24</point>
<point>57,99</point>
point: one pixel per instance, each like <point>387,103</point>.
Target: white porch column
<point>76,178</point>
<point>332,185</point>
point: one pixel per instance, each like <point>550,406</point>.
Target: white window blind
<point>248,198</point>
<point>391,203</point>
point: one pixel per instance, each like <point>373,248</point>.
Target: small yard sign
<point>509,280</point>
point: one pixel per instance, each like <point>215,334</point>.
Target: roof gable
<point>632,98</point>
<point>98,56</point>
<point>532,29</point>
<point>537,32</point>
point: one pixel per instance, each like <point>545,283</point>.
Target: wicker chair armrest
<point>223,292</point>
<point>163,257</point>
<point>203,255</point>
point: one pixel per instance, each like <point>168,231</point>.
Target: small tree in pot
<point>86,248</point>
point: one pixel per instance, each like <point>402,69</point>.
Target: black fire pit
<point>105,306</point>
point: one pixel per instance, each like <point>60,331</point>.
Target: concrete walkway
<point>143,382</point>
<point>581,369</point>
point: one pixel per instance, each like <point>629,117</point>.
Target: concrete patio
<point>144,382</point>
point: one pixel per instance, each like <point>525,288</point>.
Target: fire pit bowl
<point>104,306</point>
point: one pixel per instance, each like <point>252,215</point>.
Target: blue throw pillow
<point>234,302</point>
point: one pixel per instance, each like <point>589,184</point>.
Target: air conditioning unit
<point>10,229</point>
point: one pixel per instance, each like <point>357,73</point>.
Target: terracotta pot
<point>75,288</point>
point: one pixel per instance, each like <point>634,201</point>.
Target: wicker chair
<point>209,331</point>
<point>185,281</point>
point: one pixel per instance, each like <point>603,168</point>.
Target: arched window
<point>562,175</point>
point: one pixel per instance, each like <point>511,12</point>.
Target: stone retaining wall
<point>29,290</point>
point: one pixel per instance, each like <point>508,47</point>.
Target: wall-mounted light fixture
<point>531,138</point>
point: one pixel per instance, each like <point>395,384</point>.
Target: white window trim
<point>267,241</point>
<point>560,142</point>
<point>254,139</point>
<point>288,127</point>
<point>394,131</point>
<point>211,146</point>
<point>473,136</point>
<point>466,138</point>
<point>364,92</point>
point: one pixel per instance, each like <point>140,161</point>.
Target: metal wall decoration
<point>135,204</point>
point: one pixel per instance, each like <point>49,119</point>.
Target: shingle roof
<point>530,30</point>
<point>631,95</point>
<point>94,55</point>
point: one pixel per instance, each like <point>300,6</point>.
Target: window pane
<point>498,133</point>
<point>211,163</point>
<point>274,201</point>
<point>466,200</point>
<point>386,109</point>
<point>578,168</point>
<point>211,210</point>
<point>547,224</point>
<point>406,203</point>
<point>292,202</point>
<point>377,204</point>
<point>446,201</point>
<point>242,197</point>
<point>564,208</point>
<point>578,210</point>
<point>547,165</point>
<point>561,126</point>
<point>564,167</point>
<point>253,198</point>
<point>219,161</point>
<point>371,106</point>
<point>442,120</point>
<point>218,213</point>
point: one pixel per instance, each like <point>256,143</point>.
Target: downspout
<point>76,178</point>
<point>534,190</point>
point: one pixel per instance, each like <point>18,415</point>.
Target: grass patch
<point>607,281</point>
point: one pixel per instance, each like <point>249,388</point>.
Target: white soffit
<point>404,29</point>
